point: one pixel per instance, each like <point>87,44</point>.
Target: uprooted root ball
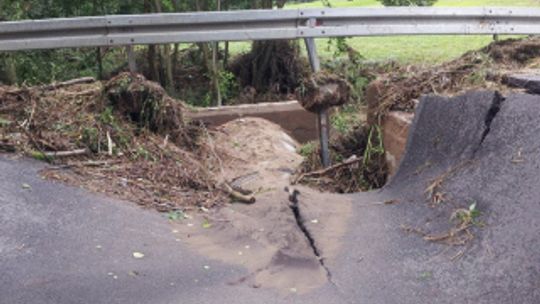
<point>323,90</point>
<point>272,67</point>
<point>147,104</point>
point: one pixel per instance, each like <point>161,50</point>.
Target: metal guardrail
<point>115,30</point>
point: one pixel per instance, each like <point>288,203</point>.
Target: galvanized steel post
<point>323,117</point>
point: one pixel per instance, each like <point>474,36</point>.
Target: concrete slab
<point>290,115</point>
<point>395,129</point>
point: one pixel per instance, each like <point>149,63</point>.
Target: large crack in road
<point>494,109</point>
<point>283,244</point>
<point>300,221</point>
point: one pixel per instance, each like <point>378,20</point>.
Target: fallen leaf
<point>206,224</point>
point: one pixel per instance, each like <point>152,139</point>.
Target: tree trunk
<point>210,66</point>
<point>226,54</point>
<point>226,47</point>
<point>263,70</point>
<point>215,68</point>
<point>151,55</point>
<point>10,69</point>
<point>132,64</point>
<point>166,58</point>
<point>176,6</point>
<point>99,60</point>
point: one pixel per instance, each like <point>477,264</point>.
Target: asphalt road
<point>60,244</point>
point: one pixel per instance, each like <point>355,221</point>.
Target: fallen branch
<point>53,86</point>
<point>66,153</point>
<point>63,84</point>
<point>236,195</point>
<point>89,163</point>
<point>7,147</point>
<point>324,171</point>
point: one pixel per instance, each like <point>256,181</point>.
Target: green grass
<point>409,49</point>
<point>448,3</point>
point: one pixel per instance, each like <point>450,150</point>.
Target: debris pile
<point>126,137</point>
<point>359,163</point>
<point>481,69</point>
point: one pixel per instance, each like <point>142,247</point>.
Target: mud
<point>280,248</point>
<point>267,240</point>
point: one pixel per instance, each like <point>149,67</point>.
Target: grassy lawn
<point>408,49</point>
<point>357,3</point>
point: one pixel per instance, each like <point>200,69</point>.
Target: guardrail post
<point>131,59</point>
<point>322,117</point>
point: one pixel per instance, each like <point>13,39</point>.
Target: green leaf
<point>4,122</point>
<point>206,224</point>
<point>176,215</point>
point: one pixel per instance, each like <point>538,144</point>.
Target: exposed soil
<point>283,241</point>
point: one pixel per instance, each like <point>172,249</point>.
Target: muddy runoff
<point>290,235</point>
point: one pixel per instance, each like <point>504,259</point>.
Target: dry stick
<point>67,83</point>
<point>66,153</point>
<point>237,195</point>
<point>326,170</point>
<point>7,147</point>
<point>36,144</point>
<point>109,144</point>
<point>58,85</point>
<point>89,163</point>
<point>224,185</point>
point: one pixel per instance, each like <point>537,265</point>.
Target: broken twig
<point>237,195</point>
<point>66,153</point>
<point>324,171</point>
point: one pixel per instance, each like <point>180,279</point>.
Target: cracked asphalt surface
<point>63,245</point>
